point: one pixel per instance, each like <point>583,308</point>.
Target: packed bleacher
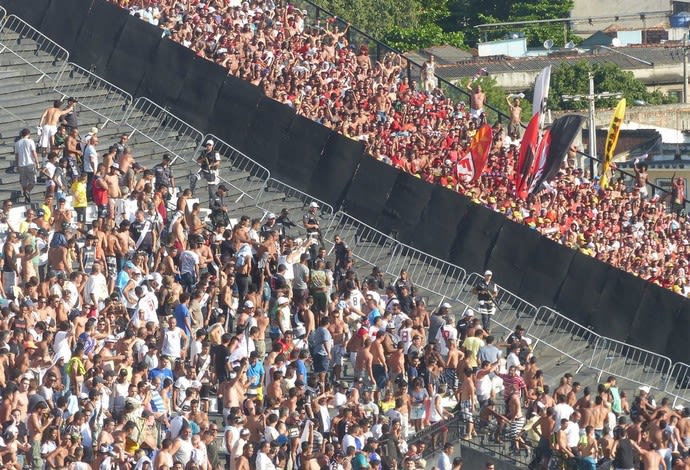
<point>139,334</point>
<point>411,125</point>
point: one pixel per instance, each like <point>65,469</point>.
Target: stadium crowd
<point>312,67</point>
<point>143,337</point>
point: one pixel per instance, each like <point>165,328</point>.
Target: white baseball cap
<point>314,205</point>
<point>210,142</point>
<point>488,273</point>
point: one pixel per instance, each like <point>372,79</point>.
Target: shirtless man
<point>451,366</point>
<point>599,416</point>
<point>125,242</point>
<point>48,123</point>
<point>477,100</point>
<point>58,258</point>
<point>468,401</point>
<point>363,363</point>
<point>544,429</point>
<point>339,330</point>
<point>112,179</point>
<point>516,418</point>
<point>641,177</point>
<point>514,126</point>
<point>112,250</point>
<point>396,363</point>
<point>378,364</point>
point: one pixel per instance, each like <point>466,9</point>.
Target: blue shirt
<point>181,315</point>
<point>122,280</point>
<point>161,373</point>
<point>301,369</point>
<point>254,374</point>
<point>373,315</point>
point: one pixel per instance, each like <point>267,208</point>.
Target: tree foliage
<point>572,79</point>
<point>378,18</point>
<point>409,39</point>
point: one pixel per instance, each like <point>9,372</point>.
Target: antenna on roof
<point>616,42</point>
<point>569,45</point>
<point>548,44</point>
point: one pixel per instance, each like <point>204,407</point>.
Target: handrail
<point>96,104</point>
<point>3,14</point>
<point>234,160</point>
<point>18,26</point>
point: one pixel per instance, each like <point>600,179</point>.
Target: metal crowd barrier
<point>547,323</point>
<point>3,14</point>
<point>510,307</point>
<point>241,173</point>
<point>326,211</point>
<point>95,94</point>
<point>433,274</point>
<point>637,365</point>
<point>679,381</point>
<point>163,128</point>
<point>15,30</point>
<point>368,245</point>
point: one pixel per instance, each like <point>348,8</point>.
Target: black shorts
<point>321,363</point>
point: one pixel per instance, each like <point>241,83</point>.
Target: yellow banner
<point>612,141</point>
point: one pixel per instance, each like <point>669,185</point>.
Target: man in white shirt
<point>26,159</point>
<point>443,462</point>
<point>562,410</point>
<point>263,457</point>
<point>96,288</point>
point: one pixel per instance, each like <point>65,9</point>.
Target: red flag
<point>471,165</point>
<point>540,161</point>
<point>527,155</point>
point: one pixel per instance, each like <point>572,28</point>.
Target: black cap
<point>222,187</point>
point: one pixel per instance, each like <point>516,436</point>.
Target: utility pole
<point>591,98</point>
<point>685,68</point>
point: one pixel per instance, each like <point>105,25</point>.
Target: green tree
<point>572,79</point>
<point>377,18</point>
<point>408,39</point>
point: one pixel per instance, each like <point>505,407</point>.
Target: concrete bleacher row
<point>27,88</point>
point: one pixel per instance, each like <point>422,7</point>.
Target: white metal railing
<point>15,31</point>
<point>369,245</point>
<point>237,170</point>
<point>326,211</point>
<point>163,128</point>
<point>101,97</point>
<point>679,381</point>
<point>3,14</point>
<point>433,274</point>
<point>548,324</point>
<point>637,365</point>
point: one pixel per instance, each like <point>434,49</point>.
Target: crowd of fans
<point>148,338</point>
<point>312,67</point>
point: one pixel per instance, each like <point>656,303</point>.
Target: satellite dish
<point>569,45</point>
<point>616,42</point>
<point>548,44</point>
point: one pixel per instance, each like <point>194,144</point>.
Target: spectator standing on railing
<point>26,159</point>
<point>486,291</point>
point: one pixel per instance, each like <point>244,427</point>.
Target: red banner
<point>528,152</point>
<point>471,165</point>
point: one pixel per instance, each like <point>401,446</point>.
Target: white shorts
<point>47,133</point>
<point>476,113</point>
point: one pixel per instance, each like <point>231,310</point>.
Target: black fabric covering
<point>235,108</point>
<point>512,254</point>
<point>582,288</point>
<point>677,345</point>
<point>169,66</point>
<point>369,190</point>
<point>339,160</point>
<point>267,132</point>
<point>475,238</point>
<point>438,223</point>
<point>618,305</point>
<point>546,272</point>
<point>403,210</point>
<point>98,36</point>
<point>31,11</point>
<point>134,52</point>
<point>199,92</point>
<point>63,21</point>
<point>654,319</point>
<point>300,152</point>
